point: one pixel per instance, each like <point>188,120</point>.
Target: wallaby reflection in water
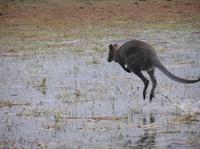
<point>147,140</point>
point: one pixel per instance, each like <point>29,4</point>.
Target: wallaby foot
<point>151,96</point>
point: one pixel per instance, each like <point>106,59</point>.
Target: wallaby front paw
<point>127,70</point>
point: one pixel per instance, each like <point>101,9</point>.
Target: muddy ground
<point>58,91</point>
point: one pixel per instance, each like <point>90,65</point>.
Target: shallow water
<point>68,99</point>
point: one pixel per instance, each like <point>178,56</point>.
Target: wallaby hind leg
<point>154,83</point>
<point>144,80</point>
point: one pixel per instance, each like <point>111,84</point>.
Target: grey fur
<point>140,56</point>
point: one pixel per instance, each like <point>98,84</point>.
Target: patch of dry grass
<point>187,118</point>
<point>10,104</point>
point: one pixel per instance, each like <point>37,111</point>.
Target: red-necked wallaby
<point>136,56</point>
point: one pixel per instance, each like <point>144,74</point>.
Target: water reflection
<point>147,140</point>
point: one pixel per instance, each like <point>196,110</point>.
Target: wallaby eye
<point>111,47</point>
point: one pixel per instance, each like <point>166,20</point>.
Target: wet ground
<point>58,91</point>
<point>64,99</point>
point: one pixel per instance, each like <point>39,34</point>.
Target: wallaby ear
<point>115,46</point>
<point>111,47</point>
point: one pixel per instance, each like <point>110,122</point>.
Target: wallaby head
<point>112,52</point>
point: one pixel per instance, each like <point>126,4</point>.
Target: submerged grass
<point>59,117</point>
<point>10,104</point>
<point>187,118</point>
<point>43,86</point>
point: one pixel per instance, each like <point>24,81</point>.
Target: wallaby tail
<point>172,76</point>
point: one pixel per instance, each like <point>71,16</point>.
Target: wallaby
<point>136,56</point>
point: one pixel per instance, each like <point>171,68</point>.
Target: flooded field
<point>68,99</point>
<point>58,91</point>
